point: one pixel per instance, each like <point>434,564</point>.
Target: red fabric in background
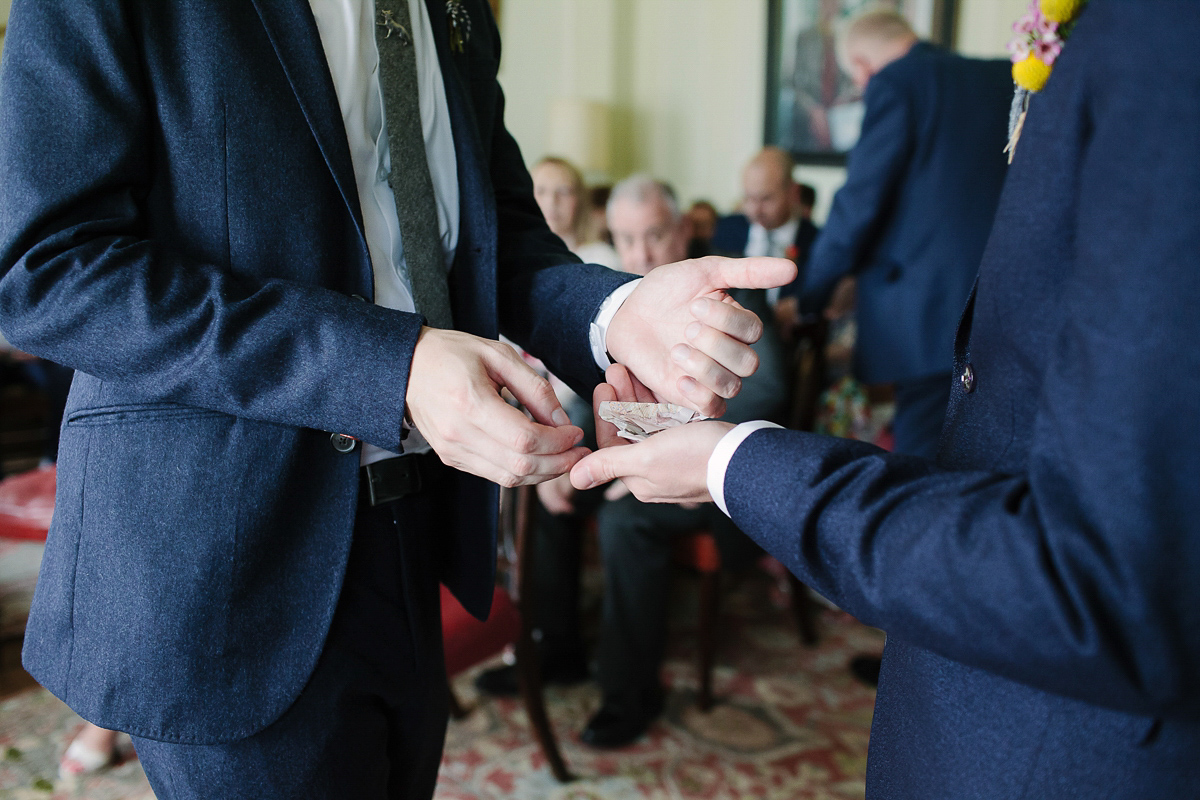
<point>467,641</point>
<point>27,504</point>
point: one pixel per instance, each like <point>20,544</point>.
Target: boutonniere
<point>1040,35</point>
<point>792,253</point>
<point>460,25</point>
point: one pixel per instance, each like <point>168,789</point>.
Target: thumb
<point>748,273</point>
<point>600,468</point>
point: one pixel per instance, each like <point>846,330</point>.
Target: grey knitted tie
<point>416,205</point>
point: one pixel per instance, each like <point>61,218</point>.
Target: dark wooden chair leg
<point>529,668</point>
<point>709,586</point>
<point>529,679</point>
<point>804,609</point>
<point>457,709</point>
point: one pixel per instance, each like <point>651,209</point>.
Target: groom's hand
<point>453,399</point>
<point>685,338</point>
<point>669,467</point>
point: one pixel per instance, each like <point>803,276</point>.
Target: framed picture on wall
<point>813,108</point>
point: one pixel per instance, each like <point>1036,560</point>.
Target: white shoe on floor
<point>80,760</point>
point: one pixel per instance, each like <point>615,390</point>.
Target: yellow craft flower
<point>1031,73</point>
<point>1060,11</point>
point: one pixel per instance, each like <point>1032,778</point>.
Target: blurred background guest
<point>636,538</point>
<point>776,218</point>
<point>561,195</point>
<point>703,216</point>
<point>598,196</point>
<point>911,221</point>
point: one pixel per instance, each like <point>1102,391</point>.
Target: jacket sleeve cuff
<point>722,454</point>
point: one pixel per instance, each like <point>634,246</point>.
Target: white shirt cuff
<point>598,332</point>
<point>722,454</point>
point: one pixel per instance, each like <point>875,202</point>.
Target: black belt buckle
<point>393,478</point>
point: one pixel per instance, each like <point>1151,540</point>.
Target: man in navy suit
<point>912,218</point>
<point>1037,580</point>
<point>277,240</point>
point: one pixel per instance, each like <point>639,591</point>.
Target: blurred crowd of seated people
<point>649,228</point>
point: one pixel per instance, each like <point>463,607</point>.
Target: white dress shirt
<point>347,30</point>
<point>773,243</point>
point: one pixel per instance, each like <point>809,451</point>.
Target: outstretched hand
<point>454,400</point>
<point>685,338</point>
<point>668,467</point>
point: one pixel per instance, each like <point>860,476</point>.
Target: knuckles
<point>523,467</point>
<point>509,481</point>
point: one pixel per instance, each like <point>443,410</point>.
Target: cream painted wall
<point>684,79</point>
<point>675,74</point>
<point>985,26</point>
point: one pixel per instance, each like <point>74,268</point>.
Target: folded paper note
<point>636,421</point>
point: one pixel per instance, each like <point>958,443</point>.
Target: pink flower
<point>1046,27</point>
<point>1019,49</point>
<point>1048,49</point>
<point>1027,23</point>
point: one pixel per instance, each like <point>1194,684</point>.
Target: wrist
<point>722,454</point>
<point>598,330</point>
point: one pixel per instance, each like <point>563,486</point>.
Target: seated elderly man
<point>635,538</point>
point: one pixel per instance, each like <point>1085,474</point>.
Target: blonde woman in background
<point>561,195</point>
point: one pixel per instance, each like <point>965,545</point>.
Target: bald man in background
<point>776,215</point>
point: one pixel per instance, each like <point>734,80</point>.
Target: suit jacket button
<point>968,379</point>
<point>342,443</point>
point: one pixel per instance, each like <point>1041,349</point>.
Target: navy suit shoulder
<point>1036,582</point>
<point>729,238</point>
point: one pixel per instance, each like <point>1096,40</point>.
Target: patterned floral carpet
<point>790,722</point>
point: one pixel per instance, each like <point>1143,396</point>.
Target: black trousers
<point>371,721</point>
<point>636,545</point>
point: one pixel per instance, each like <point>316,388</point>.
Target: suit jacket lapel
<point>473,279</point>
<point>297,43</point>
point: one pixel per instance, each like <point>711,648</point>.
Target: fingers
<point>628,388</point>
<point>748,273</point>
<point>499,464</point>
<point>615,491</point>
<point>454,399</point>
<point>729,353</point>
<point>710,374</point>
<point>700,398</point>
<point>727,318</point>
<point>606,432</point>
<point>557,495</point>
<point>670,467</point>
<point>531,390</point>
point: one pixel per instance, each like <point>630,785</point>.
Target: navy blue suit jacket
<point>1038,582</point>
<point>179,222</point>
<point>915,211</point>
<point>733,232</point>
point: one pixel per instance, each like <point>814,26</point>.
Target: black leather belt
<point>397,477</point>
